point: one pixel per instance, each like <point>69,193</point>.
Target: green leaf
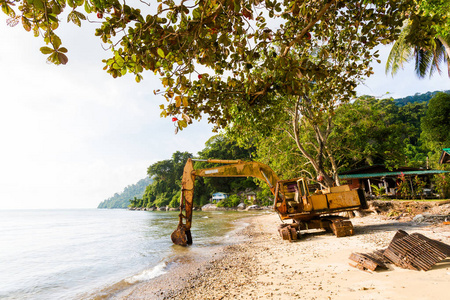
<point>87,7</point>
<point>161,52</point>
<point>46,50</point>
<point>80,15</point>
<point>196,14</point>
<point>55,41</point>
<point>8,11</point>
<point>119,62</point>
<point>38,4</point>
<point>182,124</point>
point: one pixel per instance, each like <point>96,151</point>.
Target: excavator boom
<point>232,168</point>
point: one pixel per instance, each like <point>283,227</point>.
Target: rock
<point>173,209</point>
<point>419,218</point>
<point>209,207</point>
<point>254,207</point>
<point>162,208</point>
<point>241,206</point>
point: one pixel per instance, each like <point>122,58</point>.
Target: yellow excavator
<point>292,200</point>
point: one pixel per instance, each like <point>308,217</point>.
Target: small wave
<point>205,217</point>
<point>148,274</point>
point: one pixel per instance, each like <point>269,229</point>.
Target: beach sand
<point>263,266</point>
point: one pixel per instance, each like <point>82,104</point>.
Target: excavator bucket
<point>181,236</point>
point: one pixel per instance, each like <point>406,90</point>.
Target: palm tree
<point>426,59</point>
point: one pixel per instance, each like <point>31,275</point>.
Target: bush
<point>403,186</point>
<point>442,182</point>
<point>175,202</point>
<point>231,201</point>
<point>378,190</point>
<point>162,199</point>
<point>265,197</point>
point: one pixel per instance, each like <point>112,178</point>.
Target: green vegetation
<point>215,58</point>
<point>425,97</point>
<point>166,187</point>
<point>122,200</point>
<point>231,201</point>
<point>425,38</point>
<point>366,132</point>
<point>436,123</point>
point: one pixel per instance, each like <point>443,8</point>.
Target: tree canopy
<point>213,55</point>
<point>365,132</point>
<point>436,123</point>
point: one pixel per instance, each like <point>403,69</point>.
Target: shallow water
<point>72,254</point>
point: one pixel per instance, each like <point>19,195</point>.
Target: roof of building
<point>378,169</point>
<point>445,156</point>
<point>390,174</point>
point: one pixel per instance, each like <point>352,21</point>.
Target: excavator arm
<point>232,168</point>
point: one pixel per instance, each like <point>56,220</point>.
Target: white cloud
<point>72,135</point>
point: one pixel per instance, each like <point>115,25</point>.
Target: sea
<point>81,253</point>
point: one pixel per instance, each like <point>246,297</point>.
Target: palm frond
<point>400,53</point>
<point>423,60</point>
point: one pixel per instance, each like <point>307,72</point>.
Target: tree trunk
<point>328,181</point>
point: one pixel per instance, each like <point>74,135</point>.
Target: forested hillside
<point>122,200</point>
<point>417,98</point>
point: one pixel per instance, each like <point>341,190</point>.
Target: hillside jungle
<point>410,131</point>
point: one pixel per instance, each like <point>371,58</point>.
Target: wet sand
<point>262,266</point>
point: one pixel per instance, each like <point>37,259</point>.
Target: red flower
<point>174,119</point>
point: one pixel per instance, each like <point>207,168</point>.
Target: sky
<point>71,136</point>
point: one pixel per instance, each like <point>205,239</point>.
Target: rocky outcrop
<point>254,207</point>
<point>213,207</point>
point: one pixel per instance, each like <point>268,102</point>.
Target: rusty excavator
<point>292,200</point>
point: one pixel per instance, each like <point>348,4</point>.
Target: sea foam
<point>148,274</point>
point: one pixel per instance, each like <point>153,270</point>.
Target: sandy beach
<point>263,266</point>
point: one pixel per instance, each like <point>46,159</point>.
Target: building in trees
<point>402,182</point>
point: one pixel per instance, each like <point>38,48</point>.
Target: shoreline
<point>262,266</point>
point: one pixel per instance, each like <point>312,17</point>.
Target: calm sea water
<point>73,254</point>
